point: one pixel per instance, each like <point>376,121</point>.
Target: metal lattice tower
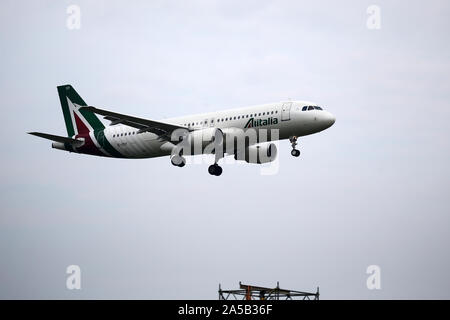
<point>249,292</point>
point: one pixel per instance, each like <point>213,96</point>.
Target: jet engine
<point>261,153</point>
<point>206,136</point>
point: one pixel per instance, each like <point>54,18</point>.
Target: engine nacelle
<point>199,139</point>
<point>261,153</point>
<point>206,136</point>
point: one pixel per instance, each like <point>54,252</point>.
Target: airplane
<point>247,133</point>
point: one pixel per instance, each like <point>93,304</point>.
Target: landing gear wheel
<point>178,161</point>
<point>295,152</point>
<point>182,163</point>
<point>215,170</point>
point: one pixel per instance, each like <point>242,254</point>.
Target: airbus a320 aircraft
<point>217,133</point>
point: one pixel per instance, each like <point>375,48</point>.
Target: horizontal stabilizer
<point>56,138</point>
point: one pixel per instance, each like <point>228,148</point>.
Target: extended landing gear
<point>178,161</point>
<point>215,170</point>
<point>294,151</point>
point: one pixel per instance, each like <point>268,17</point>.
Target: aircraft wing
<point>144,125</point>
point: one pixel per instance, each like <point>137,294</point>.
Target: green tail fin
<point>77,121</point>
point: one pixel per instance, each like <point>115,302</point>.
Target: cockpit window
<point>305,108</point>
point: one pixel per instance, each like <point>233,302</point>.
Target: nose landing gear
<point>294,151</point>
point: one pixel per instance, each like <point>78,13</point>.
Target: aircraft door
<point>286,111</point>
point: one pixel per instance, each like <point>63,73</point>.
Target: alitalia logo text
<point>260,122</point>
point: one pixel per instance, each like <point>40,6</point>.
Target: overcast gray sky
<point>371,190</point>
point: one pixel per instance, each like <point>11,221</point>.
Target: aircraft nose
<point>329,119</point>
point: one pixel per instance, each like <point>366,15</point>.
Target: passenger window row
<point>124,134</point>
<point>234,118</point>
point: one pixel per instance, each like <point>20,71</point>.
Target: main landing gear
<point>294,151</point>
<point>178,161</point>
<point>215,170</point>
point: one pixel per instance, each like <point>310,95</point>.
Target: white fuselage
<point>288,117</point>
